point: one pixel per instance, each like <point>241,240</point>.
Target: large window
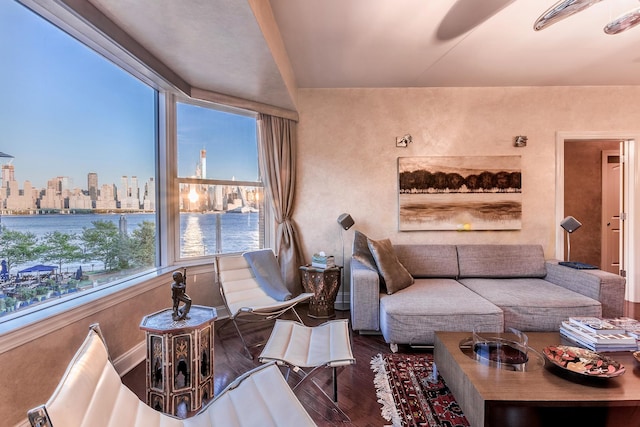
<point>78,190</point>
<point>221,201</point>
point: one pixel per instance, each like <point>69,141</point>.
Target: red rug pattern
<point>411,396</point>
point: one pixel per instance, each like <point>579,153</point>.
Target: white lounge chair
<point>245,300</point>
<point>91,394</point>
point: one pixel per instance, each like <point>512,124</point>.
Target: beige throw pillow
<point>395,276</point>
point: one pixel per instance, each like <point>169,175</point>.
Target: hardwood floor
<point>356,393</point>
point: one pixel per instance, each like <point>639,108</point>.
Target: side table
<point>324,283</point>
<point>179,360</point>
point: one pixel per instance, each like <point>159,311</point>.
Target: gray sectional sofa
<point>487,287</point>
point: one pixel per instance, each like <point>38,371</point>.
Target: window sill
<point>23,328</point>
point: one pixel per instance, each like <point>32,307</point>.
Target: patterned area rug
<point>409,394</point>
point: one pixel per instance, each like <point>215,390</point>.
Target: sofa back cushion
<point>501,261</point>
<point>429,260</point>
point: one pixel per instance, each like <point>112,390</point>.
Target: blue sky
<point>66,111</point>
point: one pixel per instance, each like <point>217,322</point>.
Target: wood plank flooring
<point>356,393</point>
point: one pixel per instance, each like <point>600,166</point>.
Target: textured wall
<point>348,159</point>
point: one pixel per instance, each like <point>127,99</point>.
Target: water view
<point>201,234</point>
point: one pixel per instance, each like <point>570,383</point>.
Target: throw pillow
<point>395,276</point>
<point>361,251</point>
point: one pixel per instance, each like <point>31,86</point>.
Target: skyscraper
<point>8,174</point>
<point>92,185</point>
<point>203,163</point>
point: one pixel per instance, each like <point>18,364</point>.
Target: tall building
<point>8,174</point>
<point>149,202</point>
<point>135,189</point>
<point>203,164</point>
<point>92,185</point>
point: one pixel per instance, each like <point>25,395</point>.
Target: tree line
<point>423,181</point>
<point>102,242</point>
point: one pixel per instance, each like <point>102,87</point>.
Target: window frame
<point>177,180</point>
<point>109,41</point>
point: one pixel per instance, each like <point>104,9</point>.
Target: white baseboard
<point>131,358</point>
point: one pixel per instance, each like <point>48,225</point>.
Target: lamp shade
<point>570,224</point>
<point>345,221</point>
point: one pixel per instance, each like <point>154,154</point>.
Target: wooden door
<point>611,232</point>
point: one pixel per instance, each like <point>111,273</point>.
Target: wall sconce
<point>520,141</point>
<point>403,141</point>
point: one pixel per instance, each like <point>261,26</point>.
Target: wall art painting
<point>460,193</point>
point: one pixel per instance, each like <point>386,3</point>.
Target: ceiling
<point>228,47</point>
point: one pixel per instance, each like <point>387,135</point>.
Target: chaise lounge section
<point>461,287</point>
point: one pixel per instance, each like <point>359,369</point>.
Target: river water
<point>239,231</point>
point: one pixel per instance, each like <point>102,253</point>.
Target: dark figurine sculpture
<point>178,288</point>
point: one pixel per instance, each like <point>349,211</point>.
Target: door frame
<point>631,259</point>
<point>605,230</point>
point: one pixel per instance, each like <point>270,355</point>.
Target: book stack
<point>597,334</point>
<point>631,326</point>
<point>322,261</point>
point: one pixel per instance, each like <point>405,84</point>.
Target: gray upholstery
<point>495,286</point>
<point>404,315</point>
<point>531,304</point>
<point>501,261</point>
<point>607,288</point>
<point>365,297</point>
<point>429,260</point>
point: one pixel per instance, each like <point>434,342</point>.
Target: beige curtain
<point>277,157</point>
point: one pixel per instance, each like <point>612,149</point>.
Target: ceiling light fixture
<point>623,22</point>
<point>561,10</point>
<point>565,8</point>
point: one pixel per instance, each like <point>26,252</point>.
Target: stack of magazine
<point>599,334</point>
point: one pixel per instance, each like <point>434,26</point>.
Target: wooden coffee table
<point>545,396</point>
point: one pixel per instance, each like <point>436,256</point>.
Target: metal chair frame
<point>345,359</point>
<point>257,314</point>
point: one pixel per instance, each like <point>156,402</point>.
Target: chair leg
<point>334,401</point>
<point>297,315</point>
<point>335,385</point>
<point>244,343</point>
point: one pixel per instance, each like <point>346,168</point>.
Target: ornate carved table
<point>179,360</point>
<point>324,283</point>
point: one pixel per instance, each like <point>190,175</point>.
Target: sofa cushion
<point>361,251</point>
<point>429,260</point>
<point>395,276</point>
<point>531,304</point>
<point>501,261</point>
<point>412,315</point>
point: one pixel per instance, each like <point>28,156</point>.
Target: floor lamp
<point>570,224</point>
<point>346,222</point>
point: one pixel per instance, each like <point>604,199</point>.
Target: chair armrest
<point>365,297</point>
<point>608,288</point>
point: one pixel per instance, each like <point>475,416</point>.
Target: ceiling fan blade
<point>560,11</point>
<point>623,22</point>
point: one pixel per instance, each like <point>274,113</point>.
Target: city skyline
<point>62,194</point>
